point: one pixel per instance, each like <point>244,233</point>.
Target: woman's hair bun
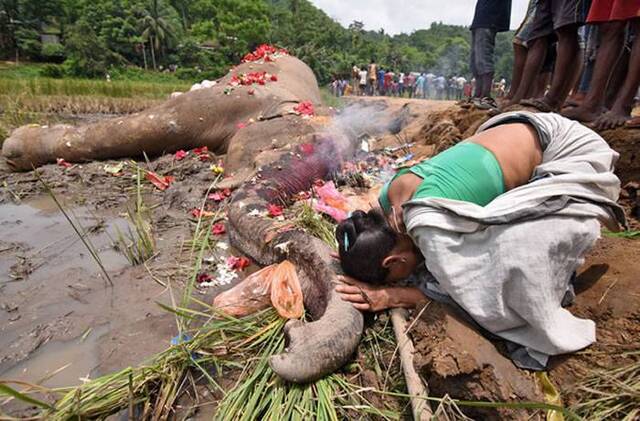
<point>364,240</point>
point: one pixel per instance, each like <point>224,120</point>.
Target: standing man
<point>363,81</point>
<point>554,20</point>
<point>373,72</point>
<point>491,17</point>
<point>381,74</point>
<point>355,78</point>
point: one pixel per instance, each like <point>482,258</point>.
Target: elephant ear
<point>286,294</point>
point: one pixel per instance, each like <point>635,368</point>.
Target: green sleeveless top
<point>467,172</point>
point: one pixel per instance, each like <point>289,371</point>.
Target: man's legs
<point>519,60</point>
<point>564,74</point>
<point>533,64</point>
<point>621,109</point>
<point>612,38</point>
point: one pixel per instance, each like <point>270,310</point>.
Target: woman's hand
<point>363,296</point>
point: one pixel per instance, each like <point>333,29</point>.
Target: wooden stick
<point>415,386</point>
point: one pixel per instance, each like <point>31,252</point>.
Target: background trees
<point>204,37</point>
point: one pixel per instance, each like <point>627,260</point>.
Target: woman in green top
<point>376,252</point>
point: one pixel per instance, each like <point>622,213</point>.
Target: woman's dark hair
<point>364,241</point>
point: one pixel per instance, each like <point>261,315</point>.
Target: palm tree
<point>159,27</point>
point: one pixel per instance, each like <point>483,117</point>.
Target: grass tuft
<point>612,394</point>
<point>137,243</point>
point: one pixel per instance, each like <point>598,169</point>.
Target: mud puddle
<point>39,234</point>
<point>52,289</point>
<point>61,363</point>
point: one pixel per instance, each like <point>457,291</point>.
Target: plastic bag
<point>249,296</point>
<point>286,294</point>
<point>276,285</point>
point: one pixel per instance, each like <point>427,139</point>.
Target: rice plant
<point>137,243</point>
<point>611,394</point>
<point>315,224</point>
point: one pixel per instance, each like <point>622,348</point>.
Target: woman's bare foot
<point>582,114</point>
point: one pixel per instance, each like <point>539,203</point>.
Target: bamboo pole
<point>415,386</point>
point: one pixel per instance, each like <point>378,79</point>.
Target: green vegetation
<point>202,38</point>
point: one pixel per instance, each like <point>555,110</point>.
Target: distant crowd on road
<point>373,80</point>
<point>580,58</point>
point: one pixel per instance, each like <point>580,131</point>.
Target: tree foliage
<point>208,36</point>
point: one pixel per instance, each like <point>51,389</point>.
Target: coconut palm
<point>159,24</point>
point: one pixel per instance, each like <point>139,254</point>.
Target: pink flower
<point>62,163</point>
<point>238,263</point>
<point>304,108</point>
<point>219,195</point>
<point>180,155</point>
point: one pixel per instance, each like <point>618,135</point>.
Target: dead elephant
<point>246,113</point>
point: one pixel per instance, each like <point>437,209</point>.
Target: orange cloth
<point>610,10</point>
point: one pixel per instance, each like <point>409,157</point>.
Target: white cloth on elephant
<point>509,264</point>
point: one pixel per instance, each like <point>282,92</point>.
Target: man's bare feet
<point>582,114</point>
<point>611,120</point>
<point>634,123</point>
<point>542,104</point>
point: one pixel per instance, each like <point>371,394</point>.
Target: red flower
<point>274,78</point>
<point>274,210</point>
<point>161,182</point>
<point>180,155</point>
<point>62,163</point>
<point>218,229</point>
<point>238,263</point>
<point>304,108</point>
<point>263,51</point>
<point>241,125</point>
<point>307,148</point>
<point>203,277</point>
<point>202,153</point>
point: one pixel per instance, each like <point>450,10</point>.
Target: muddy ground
<point>59,314</point>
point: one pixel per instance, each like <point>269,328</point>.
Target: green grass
<point>622,234</point>
<point>329,99</point>
<point>137,243</point>
<point>26,80</point>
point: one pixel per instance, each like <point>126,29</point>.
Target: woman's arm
<point>367,297</point>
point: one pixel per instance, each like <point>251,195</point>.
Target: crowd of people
<point>373,80</point>
<point>580,58</point>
